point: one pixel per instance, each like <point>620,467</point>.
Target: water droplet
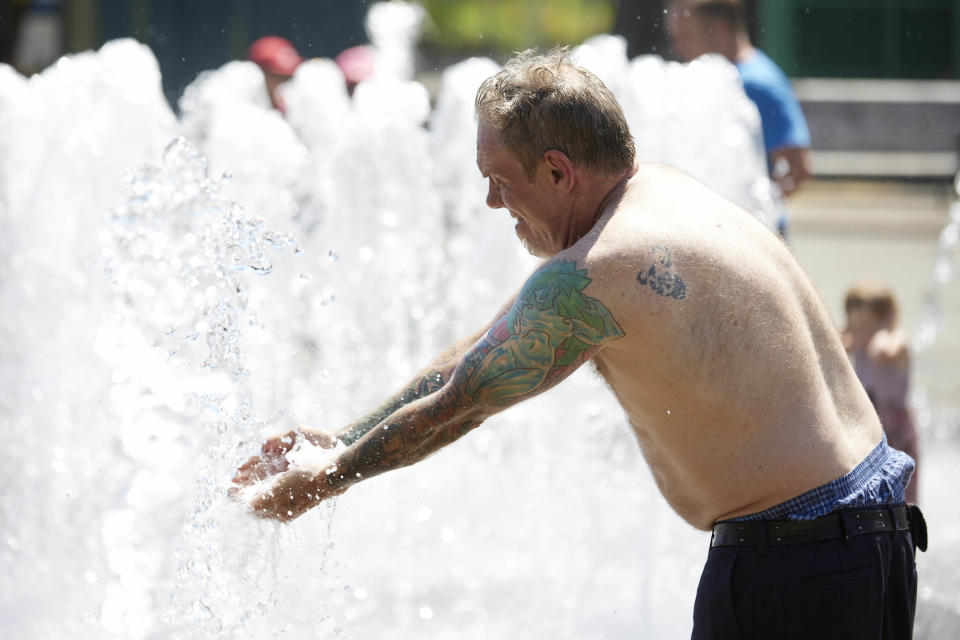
<point>422,514</point>
<point>949,235</point>
<point>943,270</point>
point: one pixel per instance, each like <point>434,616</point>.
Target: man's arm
<point>550,330</point>
<point>425,383</point>
<point>272,458</point>
<point>785,132</point>
<point>791,167</point>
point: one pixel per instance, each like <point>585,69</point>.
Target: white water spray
<point>160,317</point>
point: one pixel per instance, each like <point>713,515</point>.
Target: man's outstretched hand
<point>286,493</point>
<point>291,494</point>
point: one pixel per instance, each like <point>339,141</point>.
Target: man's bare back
<point>730,370</point>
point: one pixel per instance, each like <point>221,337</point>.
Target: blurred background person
<point>699,27</point>
<point>11,15</point>
<point>278,59</point>
<point>31,34</point>
<point>881,357</point>
<point>357,64</point>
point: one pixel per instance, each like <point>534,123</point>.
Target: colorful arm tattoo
<point>551,329</point>
<point>421,387</point>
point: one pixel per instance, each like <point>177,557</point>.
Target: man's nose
<point>494,201</point>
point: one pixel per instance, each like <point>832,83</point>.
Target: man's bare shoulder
<point>632,283</point>
<point>609,265</point>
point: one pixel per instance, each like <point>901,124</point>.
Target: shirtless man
<point>727,365</point>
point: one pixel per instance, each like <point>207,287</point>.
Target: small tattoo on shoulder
<point>661,277</point>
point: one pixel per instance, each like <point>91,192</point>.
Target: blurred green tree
<point>500,27</point>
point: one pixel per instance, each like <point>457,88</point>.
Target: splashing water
<point>939,426</point>
<point>261,271</point>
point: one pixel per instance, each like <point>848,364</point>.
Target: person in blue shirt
<point>699,27</point>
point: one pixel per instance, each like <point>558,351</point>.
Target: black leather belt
<point>838,525</point>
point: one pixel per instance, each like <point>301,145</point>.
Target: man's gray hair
<point>542,102</point>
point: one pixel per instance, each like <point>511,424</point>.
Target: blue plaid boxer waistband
<point>879,479</point>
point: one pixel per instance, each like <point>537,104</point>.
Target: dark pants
<point>862,589</point>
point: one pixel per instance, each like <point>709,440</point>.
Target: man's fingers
<point>256,469</point>
<point>244,478</point>
<point>266,506</point>
<point>279,445</point>
<point>251,471</point>
<point>251,462</point>
<point>288,497</point>
<point>271,461</point>
<point>319,437</point>
<point>245,472</point>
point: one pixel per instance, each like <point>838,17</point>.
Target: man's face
<point>533,202</point>
<point>688,33</point>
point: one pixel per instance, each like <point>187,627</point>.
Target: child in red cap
<point>278,59</point>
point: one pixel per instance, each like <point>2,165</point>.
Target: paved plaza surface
<point>846,230</point>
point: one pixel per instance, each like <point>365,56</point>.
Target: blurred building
<point>190,36</point>
<point>879,81</point>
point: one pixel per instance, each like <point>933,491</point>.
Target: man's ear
<point>560,167</point>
